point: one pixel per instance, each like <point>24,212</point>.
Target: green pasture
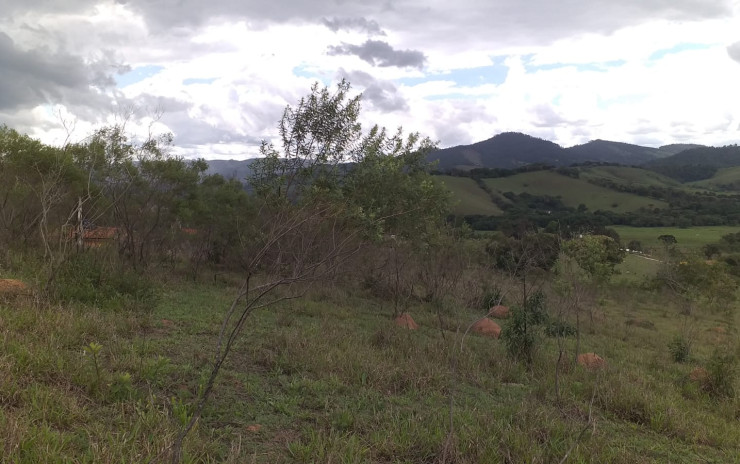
<point>573,192</point>
<point>468,197</point>
<point>628,176</point>
<point>689,238</point>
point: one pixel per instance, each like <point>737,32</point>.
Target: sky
<point>217,74</point>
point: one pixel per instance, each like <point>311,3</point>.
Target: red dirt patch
<point>499,312</point>
<point>591,361</point>
<point>699,374</point>
<point>13,287</point>
<point>406,321</point>
<point>487,327</point>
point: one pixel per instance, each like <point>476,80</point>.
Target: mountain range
<point>512,150</point>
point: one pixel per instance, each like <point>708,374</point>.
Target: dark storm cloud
<point>734,51</point>
<point>382,95</point>
<point>34,77</point>
<point>370,27</point>
<point>379,53</point>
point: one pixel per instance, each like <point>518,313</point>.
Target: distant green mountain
<point>670,150</point>
<point>508,150</point>
<point>511,150</point>
<point>615,152</point>
<point>697,164</point>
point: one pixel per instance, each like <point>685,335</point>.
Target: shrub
<point>680,349</point>
<point>491,298</point>
<point>722,370</point>
<point>558,328</point>
<point>83,278</point>
<point>522,333</point>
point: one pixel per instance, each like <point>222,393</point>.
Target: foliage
<point>680,349</point>
<point>722,374</point>
<point>84,278</point>
<point>700,282</point>
<point>519,256</point>
<point>596,255</point>
<point>521,334</point>
<point>317,136</point>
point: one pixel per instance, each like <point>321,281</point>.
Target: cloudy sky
<point>218,73</point>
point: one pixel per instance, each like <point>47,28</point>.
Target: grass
<point>572,192</point>
<point>636,268</point>
<point>468,197</point>
<point>629,176</point>
<point>330,379</point>
<point>692,238</point>
<point>724,179</point>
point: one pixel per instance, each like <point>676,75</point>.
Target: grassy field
<point>691,238</point>
<point>572,191</point>
<point>629,176</point>
<point>468,197</point>
<point>636,269</point>
<point>330,379</point>
<point>723,178</point>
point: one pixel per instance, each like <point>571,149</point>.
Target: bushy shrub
<point>680,349</point>
<point>558,328</point>
<point>722,370</point>
<point>84,278</point>
<point>521,334</point>
<point>491,297</point>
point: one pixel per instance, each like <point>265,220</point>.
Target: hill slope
<point>507,150</point>
<point>468,197</point>
<point>614,152</point>
<point>572,192</point>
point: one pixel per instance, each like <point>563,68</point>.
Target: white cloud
<point>636,71</point>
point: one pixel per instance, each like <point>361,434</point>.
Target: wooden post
<point>80,227</point>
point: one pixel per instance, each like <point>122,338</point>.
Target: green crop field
<point>572,191</point>
<point>629,176</point>
<point>468,197</point>
<point>693,237</point>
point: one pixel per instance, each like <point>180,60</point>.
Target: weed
<point>93,350</point>
<point>722,370</point>
<point>680,349</point>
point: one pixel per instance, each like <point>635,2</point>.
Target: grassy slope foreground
<point>330,379</point>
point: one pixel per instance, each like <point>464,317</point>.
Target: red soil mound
<point>499,312</point>
<point>591,361</point>
<point>13,287</point>
<point>405,320</point>
<point>487,327</point>
<point>699,374</point>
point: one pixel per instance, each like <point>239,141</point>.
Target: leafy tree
<point>668,239</point>
<point>312,212</point>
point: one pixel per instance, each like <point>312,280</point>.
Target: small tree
<point>584,267</point>
<point>310,215</point>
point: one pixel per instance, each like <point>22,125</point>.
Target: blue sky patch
<point>305,71</point>
<point>137,75</point>
<point>678,48</point>
<point>467,77</point>
<point>198,80</point>
<point>600,66</point>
